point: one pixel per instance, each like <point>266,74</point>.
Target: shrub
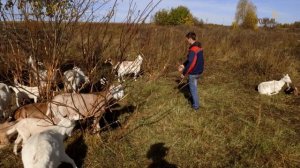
<point>176,16</point>
<point>181,15</point>
<point>162,17</point>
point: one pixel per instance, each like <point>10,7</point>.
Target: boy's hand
<point>180,68</point>
<point>181,76</point>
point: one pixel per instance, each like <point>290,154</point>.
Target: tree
<point>162,17</point>
<point>297,24</point>
<point>245,15</point>
<point>198,22</point>
<point>176,16</point>
<point>181,15</point>
<point>250,20</point>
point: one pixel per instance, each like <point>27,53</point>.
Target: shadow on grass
<point>110,119</point>
<point>148,121</point>
<point>157,154</point>
<point>77,150</point>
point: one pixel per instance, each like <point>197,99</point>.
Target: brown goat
<point>35,110</point>
<point>81,106</point>
<point>3,128</point>
<point>78,106</point>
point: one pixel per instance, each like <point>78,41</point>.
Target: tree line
<point>245,17</point>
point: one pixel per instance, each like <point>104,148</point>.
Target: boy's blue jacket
<point>194,65</point>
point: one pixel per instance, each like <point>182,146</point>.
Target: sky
<point>220,11</point>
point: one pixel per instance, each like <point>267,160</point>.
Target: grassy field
<point>235,126</point>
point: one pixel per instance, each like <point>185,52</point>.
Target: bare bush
<point>58,32</point>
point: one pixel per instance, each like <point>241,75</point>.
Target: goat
<point>4,141</point>
<point>107,66</point>
<point>273,87</point>
<point>38,73</point>
<point>106,69</point>
<point>128,67</point>
<point>46,149</point>
<point>78,106</point>
<point>96,85</point>
<point>74,78</point>
<point>117,92</point>
<point>35,110</point>
<point>5,99</point>
<point>45,77</point>
<point>30,126</point>
<point>31,92</point>
<point>99,81</point>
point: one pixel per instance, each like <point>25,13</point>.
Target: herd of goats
<point>42,127</point>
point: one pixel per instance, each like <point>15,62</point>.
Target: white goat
<point>128,67</point>
<point>31,92</point>
<point>273,87</point>
<point>74,78</point>
<point>41,74</point>
<point>46,149</point>
<point>117,92</point>
<point>30,126</point>
<point>5,99</point>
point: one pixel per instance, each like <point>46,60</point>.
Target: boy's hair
<point>191,35</point>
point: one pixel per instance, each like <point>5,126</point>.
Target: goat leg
<point>17,141</point>
<point>67,159</point>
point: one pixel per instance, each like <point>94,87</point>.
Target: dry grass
<point>235,127</point>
